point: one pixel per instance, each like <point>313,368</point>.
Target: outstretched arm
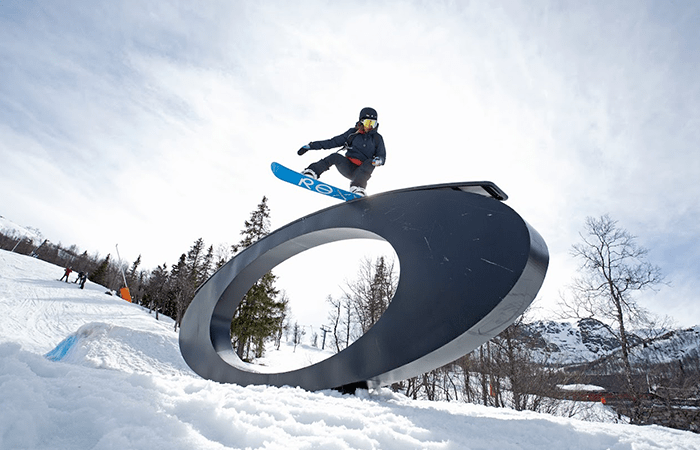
<point>334,142</point>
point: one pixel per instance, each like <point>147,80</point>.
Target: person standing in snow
<point>83,278</point>
<point>364,150</point>
<point>66,274</point>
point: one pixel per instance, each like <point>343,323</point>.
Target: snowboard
<point>297,179</point>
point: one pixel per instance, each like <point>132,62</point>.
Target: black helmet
<point>368,113</point>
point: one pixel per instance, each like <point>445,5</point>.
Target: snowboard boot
<point>309,173</point>
<point>358,190</point>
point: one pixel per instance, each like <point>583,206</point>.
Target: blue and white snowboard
<point>295,178</point>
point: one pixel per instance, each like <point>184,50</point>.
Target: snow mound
<point>106,346</point>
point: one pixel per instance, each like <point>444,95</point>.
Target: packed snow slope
<point>80,369</point>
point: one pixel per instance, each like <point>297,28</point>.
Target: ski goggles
<point>369,123</point>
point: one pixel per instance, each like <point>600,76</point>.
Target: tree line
<point>168,290</point>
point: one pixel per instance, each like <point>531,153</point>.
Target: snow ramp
<point>107,346</point>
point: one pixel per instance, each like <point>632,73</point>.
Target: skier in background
<point>364,150</point>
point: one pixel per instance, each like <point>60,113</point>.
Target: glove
<point>303,150</point>
<point>377,161</point>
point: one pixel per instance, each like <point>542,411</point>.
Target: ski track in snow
<point>122,384</point>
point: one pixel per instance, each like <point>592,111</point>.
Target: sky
<point>83,370</point>
<point>150,125</point>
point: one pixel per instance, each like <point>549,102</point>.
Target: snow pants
<point>358,175</point>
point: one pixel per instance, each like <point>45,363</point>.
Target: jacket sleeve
<point>381,150</point>
<point>334,142</point>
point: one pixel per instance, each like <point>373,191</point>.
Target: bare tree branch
<point>613,268</point>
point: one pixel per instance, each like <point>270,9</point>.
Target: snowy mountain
<point>570,343</point>
<point>81,369</point>
<point>673,347</point>
<point>11,229</point>
<point>588,341</point>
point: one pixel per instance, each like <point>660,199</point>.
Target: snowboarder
<point>364,148</point>
<point>66,274</point>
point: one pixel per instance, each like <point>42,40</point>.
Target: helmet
<point>368,113</point>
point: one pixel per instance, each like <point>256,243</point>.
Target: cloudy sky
<point>150,124</point>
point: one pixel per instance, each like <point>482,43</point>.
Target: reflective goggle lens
<point>369,123</point>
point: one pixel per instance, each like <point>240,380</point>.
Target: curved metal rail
<point>469,266</point>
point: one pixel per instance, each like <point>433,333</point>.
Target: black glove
<point>303,150</point>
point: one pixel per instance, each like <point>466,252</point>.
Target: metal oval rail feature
<point>470,265</point>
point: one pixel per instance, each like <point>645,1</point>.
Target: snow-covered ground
<point>80,369</point>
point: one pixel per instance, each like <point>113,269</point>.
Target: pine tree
<point>259,316</point>
<point>257,227</point>
<point>134,280</point>
<point>135,265</point>
<point>187,275</point>
<point>99,276</point>
<point>206,268</point>
<point>178,288</point>
<point>196,265</point>
<point>156,295</point>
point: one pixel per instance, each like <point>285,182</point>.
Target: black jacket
<point>359,146</point>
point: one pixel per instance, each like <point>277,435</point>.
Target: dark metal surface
<point>469,266</point>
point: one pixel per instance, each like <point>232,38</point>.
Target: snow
<point>580,387</point>
<point>80,369</point>
<point>9,228</point>
<point>290,358</point>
